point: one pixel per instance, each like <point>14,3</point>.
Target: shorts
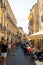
<point>4,54</point>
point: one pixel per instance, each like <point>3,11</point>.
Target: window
<point>42,15</point>
<point>42,18</point>
<point>0,1</point>
<point>0,26</point>
<point>3,4</point>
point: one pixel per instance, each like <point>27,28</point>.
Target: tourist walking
<point>4,50</point>
<point>13,48</point>
<point>9,48</point>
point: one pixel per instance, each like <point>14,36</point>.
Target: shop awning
<point>37,35</point>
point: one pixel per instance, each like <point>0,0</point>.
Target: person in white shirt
<point>9,47</point>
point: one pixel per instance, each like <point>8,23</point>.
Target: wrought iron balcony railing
<point>8,16</point>
<point>2,28</point>
<point>2,4</point>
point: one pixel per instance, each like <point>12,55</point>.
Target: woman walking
<point>4,50</point>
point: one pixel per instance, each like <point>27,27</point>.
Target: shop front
<point>38,38</point>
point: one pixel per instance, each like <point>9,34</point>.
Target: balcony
<point>8,16</point>
<point>2,28</point>
<point>0,1</point>
<point>2,4</point>
<point>30,23</point>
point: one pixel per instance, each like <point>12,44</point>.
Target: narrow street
<point>21,23</point>
<point>19,58</point>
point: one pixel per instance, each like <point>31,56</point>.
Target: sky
<point>21,10</point>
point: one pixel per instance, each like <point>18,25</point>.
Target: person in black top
<point>4,50</point>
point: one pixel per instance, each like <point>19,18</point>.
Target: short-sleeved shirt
<point>9,46</point>
<point>4,48</point>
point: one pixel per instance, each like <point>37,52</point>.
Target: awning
<point>37,35</point>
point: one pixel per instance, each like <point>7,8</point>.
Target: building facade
<point>20,33</point>
<point>37,18</point>
<point>33,19</point>
<point>8,21</point>
<point>40,2</point>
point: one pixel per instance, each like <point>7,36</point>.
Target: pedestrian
<point>29,49</point>
<point>4,50</point>
<point>9,48</point>
<point>13,48</point>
